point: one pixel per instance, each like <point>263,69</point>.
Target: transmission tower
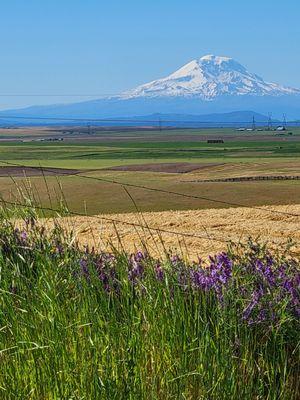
<point>269,121</point>
<point>159,124</point>
<point>284,121</point>
<point>253,123</point>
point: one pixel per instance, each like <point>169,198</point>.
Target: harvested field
<point>213,228</point>
<point>176,168</point>
<point>36,171</point>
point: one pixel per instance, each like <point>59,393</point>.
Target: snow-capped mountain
<point>208,85</point>
<point>207,78</point>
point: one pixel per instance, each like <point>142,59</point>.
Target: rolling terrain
<point>169,161</point>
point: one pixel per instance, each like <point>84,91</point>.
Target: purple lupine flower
<point>105,281</point>
<point>215,276</point>
<point>139,256</point>
<point>255,298</point>
<point>84,268</point>
<point>175,259</point>
<point>262,316</point>
<point>136,267</point>
<point>201,279</point>
<point>24,236</point>
<point>159,272</point>
<point>59,248</point>
<point>265,269</point>
<point>21,237</point>
<point>281,271</point>
<point>107,274</point>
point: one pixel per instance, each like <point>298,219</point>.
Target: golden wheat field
<point>212,229</point>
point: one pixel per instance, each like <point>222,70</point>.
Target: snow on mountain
<point>208,85</point>
<point>208,78</point>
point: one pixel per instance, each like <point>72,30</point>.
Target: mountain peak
<point>216,59</point>
<point>207,78</point>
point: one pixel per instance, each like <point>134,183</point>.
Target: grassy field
<point>79,324</point>
<point>246,154</point>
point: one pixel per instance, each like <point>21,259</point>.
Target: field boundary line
<point>249,179</point>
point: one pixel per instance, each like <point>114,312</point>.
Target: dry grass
<point>215,226</point>
<point>255,168</point>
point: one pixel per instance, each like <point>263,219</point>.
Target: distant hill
<point>232,119</point>
<point>236,118</point>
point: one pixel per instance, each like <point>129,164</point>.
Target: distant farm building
<point>280,128</point>
<point>215,141</point>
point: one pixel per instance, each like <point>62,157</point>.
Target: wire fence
<point>113,221</point>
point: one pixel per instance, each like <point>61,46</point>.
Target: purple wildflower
<point>84,268</point>
<point>136,267</point>
<point>24,236</point>
<point>159,272</point>
<point>256,297</point>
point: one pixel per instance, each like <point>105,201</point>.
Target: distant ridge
<point>234,119</point>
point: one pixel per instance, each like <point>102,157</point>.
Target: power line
<point>56,95</point>
<point>137,120</point>
<point>149,188</point>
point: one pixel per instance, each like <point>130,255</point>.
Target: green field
<point>241,154</point>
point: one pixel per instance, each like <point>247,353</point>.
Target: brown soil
<point>177,168</point>
<point>35,171</point>
<point>212,228</point>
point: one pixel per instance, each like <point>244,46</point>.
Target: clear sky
<point>107,46</point>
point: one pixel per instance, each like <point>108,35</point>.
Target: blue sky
<point>102,47</point>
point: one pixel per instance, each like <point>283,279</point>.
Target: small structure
<point>215,141</point>
<point>280,128</point>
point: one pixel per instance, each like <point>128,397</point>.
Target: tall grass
<point>81,324</point>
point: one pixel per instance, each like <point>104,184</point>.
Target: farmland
<point>102,304</point>
<point>129,156</point>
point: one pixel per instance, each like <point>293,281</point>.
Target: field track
<point>179,168</point>
<point>17,171</point>
<point>235,224</point>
